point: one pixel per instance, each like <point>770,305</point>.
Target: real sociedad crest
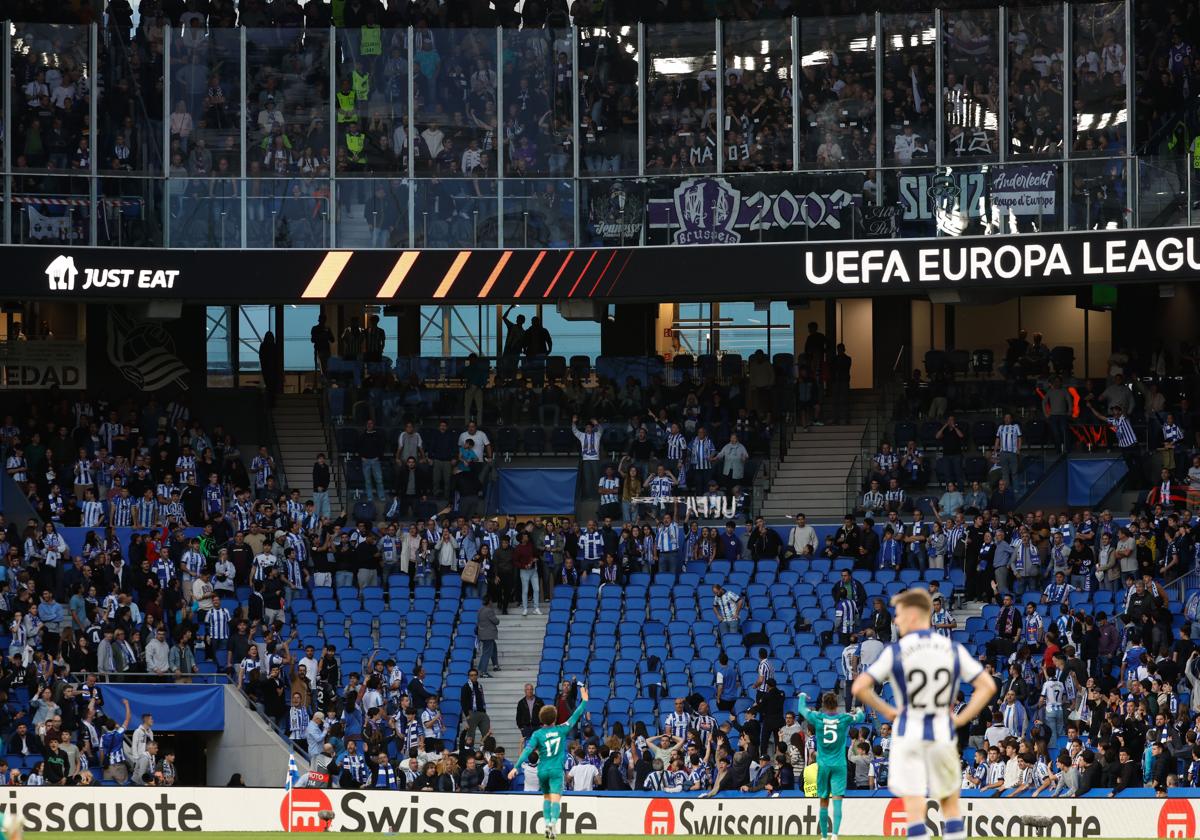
<point>144,353</point>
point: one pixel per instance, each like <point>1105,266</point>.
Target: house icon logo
<point>61,273</point>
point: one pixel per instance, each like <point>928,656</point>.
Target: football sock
<point>916,830</point>
<point>956,829</point>
<point>823,822</point>
<point>555,810</point>
<point>546,806</point>
<point>837,816</point>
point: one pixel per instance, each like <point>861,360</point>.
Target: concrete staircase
<point>300,435</point>
<point>812,478</point>
<point>520,650</point>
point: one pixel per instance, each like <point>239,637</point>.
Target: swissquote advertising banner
<point>313,810</point>
<point>43,364</point>
<point>674,272</point>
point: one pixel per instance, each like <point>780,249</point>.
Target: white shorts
<point>923,768</point>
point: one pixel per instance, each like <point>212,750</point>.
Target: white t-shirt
<point>583,776</point>
<point>481,440</point>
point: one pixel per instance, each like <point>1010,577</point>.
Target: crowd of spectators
<point>356,118</point>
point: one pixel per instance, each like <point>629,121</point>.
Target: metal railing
<point>337,477</point>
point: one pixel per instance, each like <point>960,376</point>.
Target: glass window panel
<point>50,209</point>
<point>758,96</point>
<point>1035,82</point>
<point>298,322</point>
<point>218,350</point>
<point>909,85</point>
<point>372,213</point>
<point>782,337</point>
<point>206,212</point>
<point>50,90</point>
<point>253,324</point>
<point>571,338</point>
<point>1098,194</point>
<point>681,98</point>
<point>1100,111</point>
<point>205,83</point>
<point>456,212</point>
<point>971,88</point>
<point>539,213</point>
<point>371,100</point>
<point>287,76</point>
<point>131,212</point>
<point>287,212</point>
<point>431,331</point>
<point>455,87</point>
<point>608,113</point>
<point>131,105</point>
<point>837,91</point>
<point>693,333</point>
<point>743,329</point>
<point>537,102</point>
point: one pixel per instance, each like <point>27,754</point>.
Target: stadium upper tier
<point>980,121</point>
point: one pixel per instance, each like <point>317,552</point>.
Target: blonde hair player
<point>925,669</point>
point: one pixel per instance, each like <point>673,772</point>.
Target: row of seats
<point>681,367</point>
<point>983,361</point>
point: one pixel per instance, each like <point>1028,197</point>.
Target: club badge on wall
<point>144,353</point>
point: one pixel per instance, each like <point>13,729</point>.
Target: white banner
<point>43,364</point>
<point>259,809</point>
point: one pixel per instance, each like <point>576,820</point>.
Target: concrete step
<point>520,651</point>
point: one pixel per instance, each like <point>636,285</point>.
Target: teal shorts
<point>831,781</point>
<point>552,782</point>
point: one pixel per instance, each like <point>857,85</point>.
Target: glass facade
<point>980,121</point>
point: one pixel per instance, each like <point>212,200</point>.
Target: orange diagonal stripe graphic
<point>495,275</point>
<point>399,271</point>
<point>457,266</point>
<point>327,274</point>
<point>529,274</point>
<point>558,274</point>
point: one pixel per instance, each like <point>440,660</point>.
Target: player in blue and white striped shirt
<point>924,670</point>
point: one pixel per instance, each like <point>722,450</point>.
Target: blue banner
<point>176,707</point>
<point>1089,480</point>
<point>540,491</point>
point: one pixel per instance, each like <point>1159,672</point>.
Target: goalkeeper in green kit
<point>550,742</point>
<point>830,726</point>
